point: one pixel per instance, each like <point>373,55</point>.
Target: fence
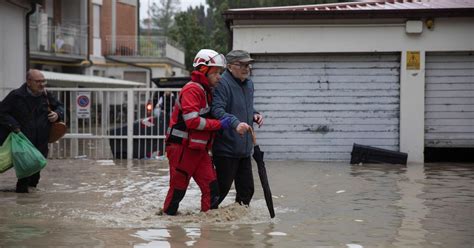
<point>67,39</point>
<point>112,123</point>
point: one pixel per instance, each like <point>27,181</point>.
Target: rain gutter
<point>231,15</point>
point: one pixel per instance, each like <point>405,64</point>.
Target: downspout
<point>27,35</point>
<point>230,45</point>
<point>138,26</point>
<point>229,24</point>
<point>89,35</point>
<point>114,24</point>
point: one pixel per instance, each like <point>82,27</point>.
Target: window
<point>100,73</point>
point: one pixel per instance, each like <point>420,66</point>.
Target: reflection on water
<point>411,232</point>
<point>155,237</point>
<point>20,233</point>
<point>448,194</point>
<point>115,204</point>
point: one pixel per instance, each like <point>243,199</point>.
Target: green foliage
<point>149,47</point>
<point>220,35</point>
<point>190,33</point>
<point>162,14</point>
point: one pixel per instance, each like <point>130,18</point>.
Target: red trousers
<point>184,164</point>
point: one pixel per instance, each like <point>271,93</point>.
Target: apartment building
<point>98,38</point>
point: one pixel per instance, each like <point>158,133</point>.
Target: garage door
<point>317,106</point>
<point>449,100</point>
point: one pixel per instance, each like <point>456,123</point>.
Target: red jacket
<point>190,122</point>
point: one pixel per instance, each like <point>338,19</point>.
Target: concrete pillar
<point>412,108</point>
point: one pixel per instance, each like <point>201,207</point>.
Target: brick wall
<point>105,23</point>
<point>57,12</point>
<point>125,21</point>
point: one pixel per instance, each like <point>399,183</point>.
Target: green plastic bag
<point>6,155</point>
<point>27,160</point>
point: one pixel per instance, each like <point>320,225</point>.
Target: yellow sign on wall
<point>413,60</point>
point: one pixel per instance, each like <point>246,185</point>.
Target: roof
<point>88,80</point>
<point>363,9</point>
<point>171,82</point>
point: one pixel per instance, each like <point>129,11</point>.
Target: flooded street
<point>89,203</point>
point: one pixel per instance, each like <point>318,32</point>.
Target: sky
<point>184,5</point>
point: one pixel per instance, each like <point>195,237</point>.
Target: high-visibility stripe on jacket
<point>202,112</point>
<point>190,120</point>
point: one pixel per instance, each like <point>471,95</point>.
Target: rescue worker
<point>191,132</point>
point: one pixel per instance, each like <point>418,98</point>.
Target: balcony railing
<point>143,46</point>
<point>67,40</point>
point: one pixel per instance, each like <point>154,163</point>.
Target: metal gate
<point>112,123</point>
<point>449,100</point>
<point>316,106</point>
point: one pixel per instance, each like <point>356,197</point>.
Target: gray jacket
<point>235,99</point>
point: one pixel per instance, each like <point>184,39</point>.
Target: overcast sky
<point>184,5</point>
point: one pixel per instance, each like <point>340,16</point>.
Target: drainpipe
<point>230,40</point>
<point>138,26</point>
<point>27,35</point>
<point>114,24</point>
<point>89,35</point>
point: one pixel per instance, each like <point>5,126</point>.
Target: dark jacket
<point>29,113</point>
<point>235,99</point>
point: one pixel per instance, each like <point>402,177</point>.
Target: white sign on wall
<point>83,104</point>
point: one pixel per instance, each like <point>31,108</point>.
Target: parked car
<point>152,125</point>
<point>163,82</point>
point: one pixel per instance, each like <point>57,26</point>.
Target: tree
<point>190,33</point>
<point>162,15</point>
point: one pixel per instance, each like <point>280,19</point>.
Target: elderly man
<point>31,110</point>
<point>233,98</point>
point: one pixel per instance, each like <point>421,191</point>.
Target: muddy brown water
<point>90,203</point>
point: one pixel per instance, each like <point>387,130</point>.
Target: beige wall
<point>448,34</point>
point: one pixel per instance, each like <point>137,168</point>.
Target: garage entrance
<point>316,106</point>
<point>449,107</point>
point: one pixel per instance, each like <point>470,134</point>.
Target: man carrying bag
<point>27,109</point>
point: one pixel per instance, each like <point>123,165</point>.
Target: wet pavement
<point>89,203</point>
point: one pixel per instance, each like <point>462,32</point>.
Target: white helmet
<point>209,57</point>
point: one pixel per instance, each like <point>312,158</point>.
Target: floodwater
<point>89,203</point>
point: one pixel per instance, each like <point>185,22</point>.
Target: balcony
<point>143,49</point>
<point>65,43</point>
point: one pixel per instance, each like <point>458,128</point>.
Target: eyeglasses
<point>41,81</point>
<point>241,65</point>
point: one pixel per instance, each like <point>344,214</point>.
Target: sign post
<point>83,105</point>
<point>413,60</point>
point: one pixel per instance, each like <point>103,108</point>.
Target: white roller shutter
<point>317,106</point>
<point>449,100</point>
